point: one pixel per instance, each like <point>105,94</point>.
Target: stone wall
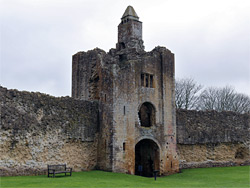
<point>207,139</point>
<point>38,129</point>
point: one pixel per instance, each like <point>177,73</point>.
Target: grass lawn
<point>201,177</point>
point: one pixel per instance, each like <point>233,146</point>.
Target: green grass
<point>202,177</point>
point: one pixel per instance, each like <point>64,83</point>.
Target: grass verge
<point>201,177</point>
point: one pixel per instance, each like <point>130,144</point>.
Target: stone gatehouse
<point>135,91</point>
<point>121,118</point>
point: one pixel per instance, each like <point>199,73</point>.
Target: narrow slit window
<point>151,81</point>
<point>123,146</point>
<point>124,110</point>
<point>146,80</point>
<point>142,79</point>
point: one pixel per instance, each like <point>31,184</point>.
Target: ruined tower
<point>130,31</point>
<point>135,91</point>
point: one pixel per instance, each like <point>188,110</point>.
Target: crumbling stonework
<point>135,91</point>
<point>121,118</point>
<point>38,129</point>
<point>207,139</point>
<point>121,94</point>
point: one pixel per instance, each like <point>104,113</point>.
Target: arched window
<point>147,114</point>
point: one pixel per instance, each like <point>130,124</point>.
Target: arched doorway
<point>147,158</point>
<point>147,114</point>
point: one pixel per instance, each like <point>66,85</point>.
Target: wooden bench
<point>58,169</point>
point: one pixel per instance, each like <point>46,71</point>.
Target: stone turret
<point>130,31</point>
<point>130,14</point>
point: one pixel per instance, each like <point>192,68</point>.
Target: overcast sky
<point>210,39</point>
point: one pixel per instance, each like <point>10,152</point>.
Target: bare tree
<point>224,99</point>
<point>189,95</point>
<point>208,99</point>
<point>186,93</point>
<point>241,103</point>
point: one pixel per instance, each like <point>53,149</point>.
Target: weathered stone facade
<point>211,138</point>
<point>135,90</point>
<point>121,118</point>
<point>38,129</point>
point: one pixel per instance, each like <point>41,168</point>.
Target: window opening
<point>123,57</point>
<point>122,46</point>
<point>123,146</point>
<point>151,81</point>
<point>147,80</point>
<point>147,115</point>
<point>142,79</point>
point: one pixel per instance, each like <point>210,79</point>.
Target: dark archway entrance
<point>147,114</point>
<point>147,158</point>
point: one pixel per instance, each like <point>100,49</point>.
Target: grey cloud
<point>39,39</point>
